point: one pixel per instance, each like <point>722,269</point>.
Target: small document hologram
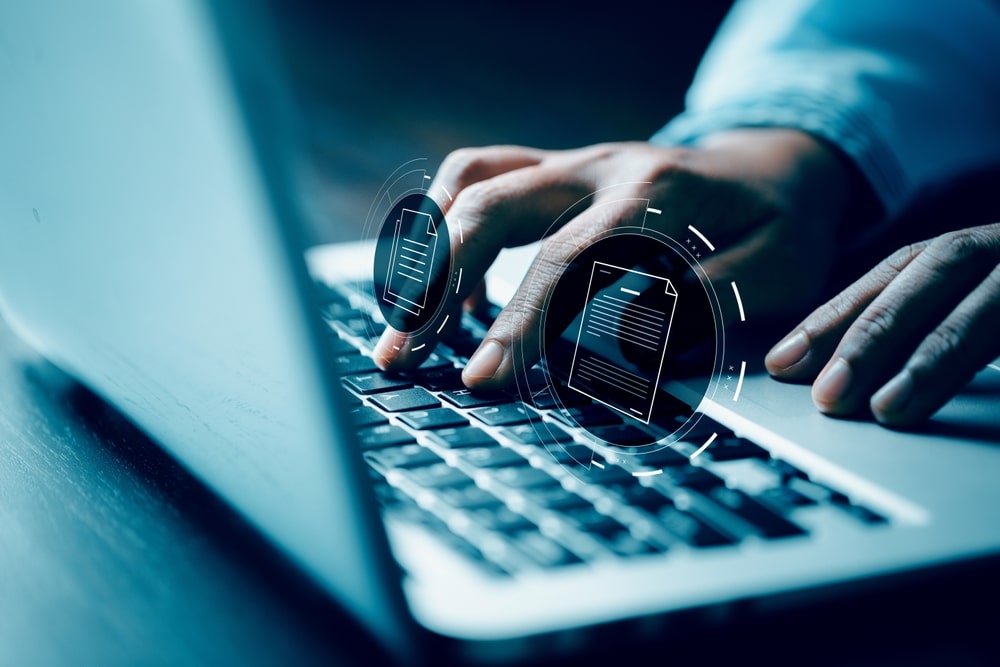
<point>411,262</point>
<point>614,323</point>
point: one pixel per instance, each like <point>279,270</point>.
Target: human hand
<point>907,336</point>
<point>768,198</point>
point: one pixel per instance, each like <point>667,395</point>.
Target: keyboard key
<point>390,497</point>
<point>439,475</point>
<point>624,544</point>
<point>642,497</point>
<point>864,515</point>
<point>502,519</point>
<point>764,520</point>
<point>537,434</point>
<point>339,346</point>
<point>609,474</point>
<point>533,380</point>
<point>489,457</point>
<point>554,498</point>
<point>523,477</point>
<point>342,310</point>
<point>731,449</point>
<point>385,435</point>
<point>469,496</point>
<point>440,380</point>
<point>328,295</point>
<point>407,456</point>
<point>466,398</point>
<point>353,364</point>
<point>474,555</point>
<point>666,405</point>
<point>586,416</point>
<point>821,493</point>
<point>589,520</point>
<point>432,419</point>
<point>434,362</point>
<point>785,498</point>
<point>371,383</point>
<point>542,550</point>
<point>363,416</point>
<point>416,398</point>
<point>545,399</point>
<point>568,453</point>
<point>503,415</point>
<point>786,470</point>
<point>693,477</point>
<point>625,435</point>
<point>691,530</point>
<point>349,399</point>
<point>486,314</point>
<point>701,431</point>
<point>463,344</point>
<point>456,438</point>
<point>361,325</point>
<point>662,458</point>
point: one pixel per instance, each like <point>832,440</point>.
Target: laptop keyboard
<point>485,471</point>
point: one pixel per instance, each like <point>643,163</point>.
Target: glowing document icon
<point>411,263</point>
<point>627,317</point>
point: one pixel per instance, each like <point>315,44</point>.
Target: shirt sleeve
<point>910,91</point>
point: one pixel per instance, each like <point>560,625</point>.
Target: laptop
<point>154,247</point>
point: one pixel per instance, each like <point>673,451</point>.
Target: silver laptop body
<point>151,246</point>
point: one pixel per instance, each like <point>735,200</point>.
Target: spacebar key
<point>765,521</point>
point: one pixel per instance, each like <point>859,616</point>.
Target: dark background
<point>111,553</point>
<point>382,84</point>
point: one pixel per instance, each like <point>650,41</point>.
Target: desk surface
<point>110,553</point>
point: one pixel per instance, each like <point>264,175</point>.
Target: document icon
<point>627,316</point>
<point>411,261</point>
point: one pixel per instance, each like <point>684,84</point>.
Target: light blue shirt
<point>908,89</point>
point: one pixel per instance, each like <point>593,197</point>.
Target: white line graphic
<point>708,442</point>
<point>739,302</point>
<point>739,383</point>
<point>703,238</point>
<point>414,246</point>
<point>627,315</point>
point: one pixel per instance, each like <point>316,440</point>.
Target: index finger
<point>511,208</point>
<point>515,341</point>
<point>465,166</point>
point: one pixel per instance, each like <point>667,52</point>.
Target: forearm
<point>908,97</point>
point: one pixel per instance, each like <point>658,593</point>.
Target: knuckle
<point>555,251</point>
<point>638,162</point>
<point>962,243</point>
<point>959,246</point>
<point>476,201</point>
<point>670,172</point>
<point>577,235</point>
<point>992,283</point>
<point>465,165</point>
<point>947,341</point>
<point>873,327</point>
<point>898,260</point>
<point>846,304</point>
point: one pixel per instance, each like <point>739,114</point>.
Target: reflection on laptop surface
<point>423,507</point>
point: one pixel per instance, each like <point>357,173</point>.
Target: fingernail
<point>485,362</point>
<point>894,396</point>
<point>833,384</point>
<point>788,352</point>
<point>387,348</point>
